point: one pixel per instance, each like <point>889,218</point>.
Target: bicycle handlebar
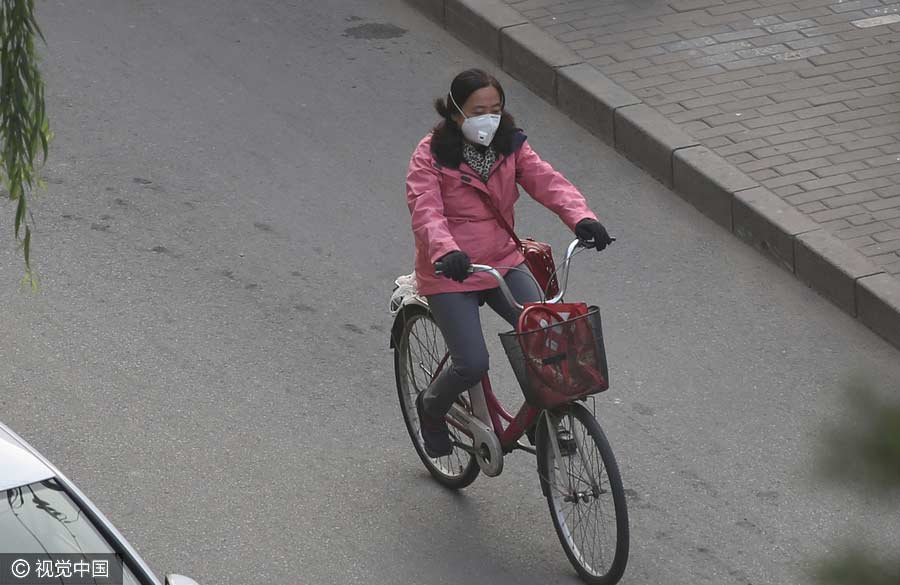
<point>564,271</point>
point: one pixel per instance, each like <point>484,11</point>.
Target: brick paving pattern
<point>803,95</point>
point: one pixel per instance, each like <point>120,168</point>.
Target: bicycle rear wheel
<point>418,351</point>
<point>580,478</point>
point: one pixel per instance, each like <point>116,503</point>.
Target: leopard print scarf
<point>480,161</point>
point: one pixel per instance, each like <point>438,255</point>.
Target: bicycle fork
<point>564,448</point>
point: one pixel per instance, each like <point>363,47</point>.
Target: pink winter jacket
<point>448,214</point>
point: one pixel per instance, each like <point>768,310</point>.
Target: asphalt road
<point>208,355</point>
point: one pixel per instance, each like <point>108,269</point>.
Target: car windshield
<point>41,518</point>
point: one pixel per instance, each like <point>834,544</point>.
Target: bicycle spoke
<point>576,475</point>
<point>579,478</point>
<point>605,533</point>
<point>562,492</point>
<point>431,338</point>
<point>426,342</point>
<point>581,442</point>
<point>582,531</point>
<point>578,518</point>
<point>586,536</point>
<point>586,519</point>
<point>610,540</point>
<point>550,482</point>
<point>593,477</point>
<point>422,347</point>
<point>412,362</point>
<point>421,351</point>
<point>561,468</point>
<point>436,354</point>
<point>596,548</point>
<point>427,346</point>
<point>456,452</point>
<point>585,533</point>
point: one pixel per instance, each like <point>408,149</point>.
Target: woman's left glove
<point>454,265</point>
<point>592,233</point>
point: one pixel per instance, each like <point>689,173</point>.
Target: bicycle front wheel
<point>418,351</point>
<point>580,478</point>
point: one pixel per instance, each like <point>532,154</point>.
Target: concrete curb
<point>591,99</point>
<point>878,305</point>
<point>480,24</point>
<point>533,57</point>
<point>711,184</point>
<point>646,137</point>
<point>827,265</point>
<point>707,181</point>
<point>766,222</point>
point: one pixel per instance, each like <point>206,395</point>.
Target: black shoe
<point>435,434</point>
<point>567,445</point>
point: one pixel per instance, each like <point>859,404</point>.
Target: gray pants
<point>457,316</point>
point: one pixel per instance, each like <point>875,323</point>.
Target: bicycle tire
<point>590,568</point>
<point>459,469</point>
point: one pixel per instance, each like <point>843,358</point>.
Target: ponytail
<point>443,110</point>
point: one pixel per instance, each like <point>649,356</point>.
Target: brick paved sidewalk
<point>803,96</point>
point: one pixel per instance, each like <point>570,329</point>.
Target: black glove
<point>454,265</point>
<point>592,232</point>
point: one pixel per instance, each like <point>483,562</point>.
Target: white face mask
<point>479,129</point>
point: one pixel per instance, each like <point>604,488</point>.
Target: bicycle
<point>577,470</point>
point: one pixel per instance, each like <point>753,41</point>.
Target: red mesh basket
<point>558,354</point>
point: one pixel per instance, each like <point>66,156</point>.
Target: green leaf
<point>24,129</point>
<point>27,246</point>
<point>20,214</point>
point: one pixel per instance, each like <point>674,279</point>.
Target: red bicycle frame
<point>509,436</point>
<point>527,414</point>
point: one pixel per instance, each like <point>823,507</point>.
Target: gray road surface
<point>208,356</point>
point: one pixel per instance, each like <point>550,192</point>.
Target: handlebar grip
<point>590,243</point>
<point>439,268</point>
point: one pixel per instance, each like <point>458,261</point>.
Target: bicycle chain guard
<point>483,438</point>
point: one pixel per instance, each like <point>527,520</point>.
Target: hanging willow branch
<point>24,130</point>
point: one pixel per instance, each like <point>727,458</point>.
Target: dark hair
<point>447,140</point>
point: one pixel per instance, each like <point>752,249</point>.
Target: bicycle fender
<point>409,308</point>
<point>540,431</point>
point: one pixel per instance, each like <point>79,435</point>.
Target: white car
<point>45,514</point>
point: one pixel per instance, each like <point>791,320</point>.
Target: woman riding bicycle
<point>476,150</point>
